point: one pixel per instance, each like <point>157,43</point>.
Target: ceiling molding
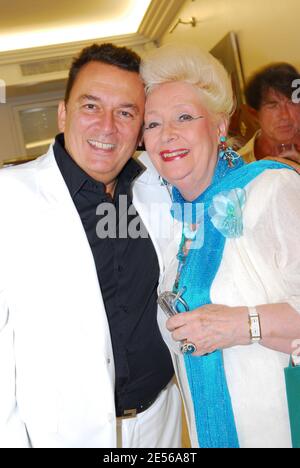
<point>157,20</point>
<point>71,49</point>
<point>159,17</point>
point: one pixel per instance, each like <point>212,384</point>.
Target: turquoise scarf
<point>206,375</point>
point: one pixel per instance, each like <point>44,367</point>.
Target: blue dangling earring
<point>227,153</point>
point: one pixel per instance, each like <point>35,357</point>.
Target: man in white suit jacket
<point>57,355</point>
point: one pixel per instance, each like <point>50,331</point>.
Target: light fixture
<point>193,21</point>
<point>128,23</point>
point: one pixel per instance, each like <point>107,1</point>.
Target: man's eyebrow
<point>127,105</point>
<point>151,112</point>
<point>89,97</point>
<point>270,101</point>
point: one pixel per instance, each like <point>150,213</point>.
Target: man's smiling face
<point>102,119</point>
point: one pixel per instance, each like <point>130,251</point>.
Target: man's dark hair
<point>110,54</point>
<point>277,76</point>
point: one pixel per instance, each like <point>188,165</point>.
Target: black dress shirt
<point>128,275</point>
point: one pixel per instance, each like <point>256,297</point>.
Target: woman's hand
<point>214,327</point>
<point>211,327</point>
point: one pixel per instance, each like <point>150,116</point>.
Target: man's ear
<point>61,116</point>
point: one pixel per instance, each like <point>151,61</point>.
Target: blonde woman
<point>236,268</point>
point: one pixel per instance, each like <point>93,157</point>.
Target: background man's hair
<point>120,57</point>
<point>277,76</point>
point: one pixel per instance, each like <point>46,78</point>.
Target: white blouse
<point>261,267</point>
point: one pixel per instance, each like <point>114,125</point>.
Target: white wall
<point>267,30</point>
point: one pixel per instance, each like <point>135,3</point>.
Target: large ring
<point>188,348</point>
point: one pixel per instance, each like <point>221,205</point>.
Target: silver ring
<point>188,348</point>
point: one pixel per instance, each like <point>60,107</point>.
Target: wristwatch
<point>254,325</point>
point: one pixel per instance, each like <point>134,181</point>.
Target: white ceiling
<point>20,15</point>
<point>33,23</point>
<point>37,33</point>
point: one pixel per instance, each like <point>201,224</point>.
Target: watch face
<point>255,333</point>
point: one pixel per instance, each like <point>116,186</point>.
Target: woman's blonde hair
<point>192,65</point>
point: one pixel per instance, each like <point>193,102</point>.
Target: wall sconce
<point>193,21</point>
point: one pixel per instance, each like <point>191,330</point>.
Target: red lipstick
<point>169,156</point>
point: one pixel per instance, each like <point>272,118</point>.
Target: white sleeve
<point>13,433</point>
<point>286,226</point>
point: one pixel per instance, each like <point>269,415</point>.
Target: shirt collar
<point>75,178</point>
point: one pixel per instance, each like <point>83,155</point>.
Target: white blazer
<point>56,359</point>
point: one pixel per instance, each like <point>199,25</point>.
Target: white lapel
<point>152,200</point>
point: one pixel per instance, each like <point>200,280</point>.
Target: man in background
<point>82,362</point>
<point>269,95</point>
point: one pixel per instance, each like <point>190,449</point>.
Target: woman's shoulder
<point>273,190</point>
<point>288,162</point>
<point>273,178</point>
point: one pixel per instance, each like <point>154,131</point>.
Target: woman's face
<point>181,137</point>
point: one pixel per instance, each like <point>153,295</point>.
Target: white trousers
<point>157,427</point>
